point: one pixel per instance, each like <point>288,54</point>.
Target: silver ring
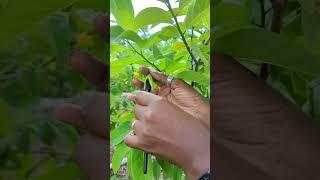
<point>132,124</point>
<point>169,80</point>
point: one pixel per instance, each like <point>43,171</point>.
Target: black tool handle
<point>145,155</point>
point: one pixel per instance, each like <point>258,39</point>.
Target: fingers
<point>159,78</point>
<point>138,83</point>
<point>137,126</point>
<point>101,24</point>
<point>92,117</point>
<point>132,141</point>
<point>91,69</point>
<point>140,111</point>
<point>71,114</point>
<point>143,98</point>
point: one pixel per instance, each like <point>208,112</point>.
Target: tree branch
<point>179,30</point>
<point>278,7</point>
<point>143,57</point>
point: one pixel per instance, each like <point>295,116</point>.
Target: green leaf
<point>21,16</point>
<point>170,170</point>
<point>118,134</point>
<point>119,154</point>
<point>156,169</point>
<point>189,75</point>
<point>261,46</point>
<point>168,32</point>
<point>311,29</point>
<point>135,165</point>
<point>152,15</point>
<point>156,52</point>
<point>229,17</point>
<point>123,12</point>
<point>196,11</point>
<point>26,164</point>
<point>199,52</point>
<point>7,123</point>
<point>58,26</point>
<point>53,171</point>
<point>115,31</point>
<point>93,4</point>
<point>130,35</point>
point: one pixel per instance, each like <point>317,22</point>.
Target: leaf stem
<point>143,57</point>
<point>193,59</point>
<point>179,30</point>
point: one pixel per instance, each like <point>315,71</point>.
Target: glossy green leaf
<point>135,165</point>
<point>130,35</point>
<point>257,45</point>
<point>152,15</point>
<point>119,134</point>
<point>189,75</point>
<point>123,12</point>
<point>115,31</point>
<point>119,154</point>
<point>170,170</point>
<point>196,11</point>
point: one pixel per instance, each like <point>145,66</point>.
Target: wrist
<point>197,168</point>
<point>204,112</point>
<point>197,162</point>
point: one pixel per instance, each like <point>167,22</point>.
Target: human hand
<point>91,150</point>
<point>180,94</point>
<point>163,129</point>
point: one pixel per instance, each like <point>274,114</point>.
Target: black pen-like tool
<point>145,155</point>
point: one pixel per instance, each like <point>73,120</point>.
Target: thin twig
<point>179,30</point>
<point>143,57</point>
<point>264,68</point>
<point>193,59</point>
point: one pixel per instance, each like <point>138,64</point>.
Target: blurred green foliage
<point>36,39</point>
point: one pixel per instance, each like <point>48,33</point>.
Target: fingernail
<point>128,96</point>
<point>153,70</point>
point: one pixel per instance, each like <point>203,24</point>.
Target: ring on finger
<point>133,123</point>
<point>169,80</point>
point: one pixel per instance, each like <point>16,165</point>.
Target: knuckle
<point>149,115</point>
<point>146,131</point>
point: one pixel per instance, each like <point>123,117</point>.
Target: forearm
<point>260,126</point>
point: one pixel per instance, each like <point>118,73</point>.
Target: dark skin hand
<point>180,94</point>
<point>91,150</point>
<point>160,124</point>
<point>258,133</point>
